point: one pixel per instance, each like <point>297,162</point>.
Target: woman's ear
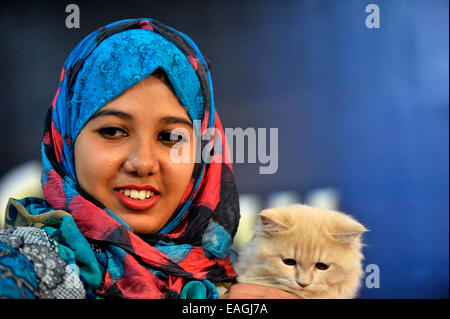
<point>274,220</point>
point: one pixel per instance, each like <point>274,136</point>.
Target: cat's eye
<point>321,266</point>
<point>290,261</point>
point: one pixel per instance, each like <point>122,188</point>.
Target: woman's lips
<point>139,188</point>
<point>137,204</point>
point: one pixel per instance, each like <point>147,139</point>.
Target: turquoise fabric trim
<point>218,240</point>
<point>196,289</point>
<point>17,276</point>
<point>176,253</point>
<point>76,251</point>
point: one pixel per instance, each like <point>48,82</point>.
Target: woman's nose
<point>142,161</point>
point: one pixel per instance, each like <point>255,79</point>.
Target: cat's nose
<point>303,285</point>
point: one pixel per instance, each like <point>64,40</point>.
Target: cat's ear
<point>273,220</point>
<point>349,233</point>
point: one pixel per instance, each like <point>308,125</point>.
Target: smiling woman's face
<point>122,155</point>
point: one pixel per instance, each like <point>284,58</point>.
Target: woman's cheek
<point>108,161</point>
<point>95,164</point>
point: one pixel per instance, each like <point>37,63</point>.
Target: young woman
<point>124,214</point>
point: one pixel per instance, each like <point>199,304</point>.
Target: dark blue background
<point>362,110</point>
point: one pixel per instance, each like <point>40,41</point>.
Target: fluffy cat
<point>311,252</point>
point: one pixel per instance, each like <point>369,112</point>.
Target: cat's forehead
<point>310,247</point>
<point>315,218</point>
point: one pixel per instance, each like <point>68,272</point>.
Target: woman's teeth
<point>135,194</point>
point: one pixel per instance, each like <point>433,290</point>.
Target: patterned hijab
<point>193,248</point>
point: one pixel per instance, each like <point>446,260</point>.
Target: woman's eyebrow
<point>120,114</point>
<point>166,119</point>
<point>175,120</point>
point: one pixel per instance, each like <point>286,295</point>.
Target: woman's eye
<point>321,266</point>
<point>112,132</point>
<point>171,137</point>
<point>290,262</point>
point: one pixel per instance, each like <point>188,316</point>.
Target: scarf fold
<point>195,244</point>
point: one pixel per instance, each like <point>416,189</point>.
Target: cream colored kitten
<point>311,252</point>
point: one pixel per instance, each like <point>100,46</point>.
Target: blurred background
<point>362,114</point>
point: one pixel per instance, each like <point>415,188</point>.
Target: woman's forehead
<point>149,99</point>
